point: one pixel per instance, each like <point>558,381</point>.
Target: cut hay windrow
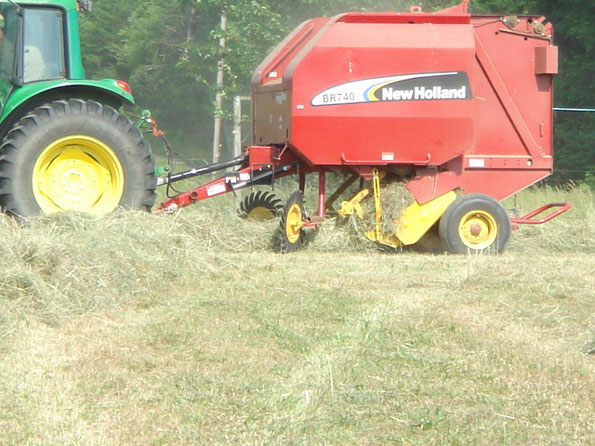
<point>59,265</point>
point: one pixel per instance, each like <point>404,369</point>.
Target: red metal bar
<point>383,162</point>
<point>529,220</point>
<point>321,194</point>
<point>263,161</point>
<point>216,187</point>
<point>315,221</point>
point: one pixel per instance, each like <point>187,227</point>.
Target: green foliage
<point>575,156</point>
<point>590,177</point>
<point>575,132</point>
<point>507,7</point>
<point>101,43</point>
<point>169,52</point>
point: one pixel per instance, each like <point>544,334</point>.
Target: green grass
<point>189,329</point>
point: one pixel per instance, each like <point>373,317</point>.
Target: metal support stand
<point>321,194</point>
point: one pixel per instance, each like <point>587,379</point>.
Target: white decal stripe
<point>363,90</point>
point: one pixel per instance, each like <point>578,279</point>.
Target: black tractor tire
<point>75,155</point>
<point>475,224</point>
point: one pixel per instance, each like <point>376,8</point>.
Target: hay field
<point>137,329</point>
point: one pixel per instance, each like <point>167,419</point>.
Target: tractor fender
<point>26,98</point>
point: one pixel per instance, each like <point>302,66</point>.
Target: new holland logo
<point>452,85</point>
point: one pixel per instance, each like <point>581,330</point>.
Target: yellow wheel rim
<point>78,173</point>
<point>294,223</point>
<point>478,230</point>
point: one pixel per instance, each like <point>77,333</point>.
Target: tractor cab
<point>8,40</point>
<point>32,47</point>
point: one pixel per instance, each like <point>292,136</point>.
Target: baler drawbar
<point>457,107</point>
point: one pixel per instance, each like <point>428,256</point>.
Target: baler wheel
<point>260,206</point>
<point>292,220</point>
<point>475,223</point>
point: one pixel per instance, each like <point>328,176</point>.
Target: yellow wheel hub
<point>78,173</point>
<point>478,230</point>
<point>294,223</point>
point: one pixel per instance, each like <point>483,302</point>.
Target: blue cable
<point>578,110</point>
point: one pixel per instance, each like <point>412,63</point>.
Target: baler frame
<point>445,132</point>
<point>285,164</point>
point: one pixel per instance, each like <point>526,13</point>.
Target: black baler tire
<point>28,138</point>
<point>462,206</point>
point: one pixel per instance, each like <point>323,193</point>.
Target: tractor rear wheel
<point>292,220</point>
<point>260,206</point>
<point>75,155</point>
<point>475,223</point>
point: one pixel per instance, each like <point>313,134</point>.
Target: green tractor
<point>65,147</point>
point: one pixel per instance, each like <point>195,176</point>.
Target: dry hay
<point>101,259</point>
<point>394,199</point>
